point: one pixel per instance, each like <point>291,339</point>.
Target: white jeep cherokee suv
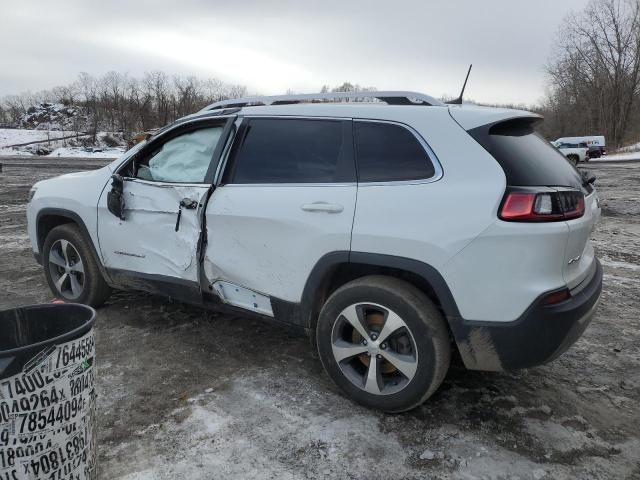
<point>392,232</point>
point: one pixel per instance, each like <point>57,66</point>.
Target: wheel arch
<point>49,218</point>
<point>337,268</point>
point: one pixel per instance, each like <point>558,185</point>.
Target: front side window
<point>387,152</point>
<point>183,159</point>
<point>279,150</point>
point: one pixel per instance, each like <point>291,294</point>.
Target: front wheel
<point>384,343</point>
<point>70,268</point>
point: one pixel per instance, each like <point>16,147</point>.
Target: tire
<point>78,267</point>
<point>574,159</point>
<point>421,342</point>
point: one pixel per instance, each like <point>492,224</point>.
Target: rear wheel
<point>573,159</point>
<point>70,268</point>
<point>383,342</point>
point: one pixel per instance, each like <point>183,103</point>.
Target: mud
<point>188,394</point>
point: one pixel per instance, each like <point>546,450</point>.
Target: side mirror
<point>115,198</point>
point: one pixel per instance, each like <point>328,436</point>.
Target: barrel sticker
<point>47,414</point>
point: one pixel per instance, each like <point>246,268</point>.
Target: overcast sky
<point>271,46</point>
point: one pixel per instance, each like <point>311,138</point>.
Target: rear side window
<point>525,156</point>
<point>387,152</point>
<point>275,150</point>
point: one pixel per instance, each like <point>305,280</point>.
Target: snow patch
<point>87,152</point>
<point>58,144</point>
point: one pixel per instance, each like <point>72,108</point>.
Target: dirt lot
<point>184,394</point>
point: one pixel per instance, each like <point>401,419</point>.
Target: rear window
<point>525,156</point>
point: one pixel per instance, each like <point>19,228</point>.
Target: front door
<point>164,190</point>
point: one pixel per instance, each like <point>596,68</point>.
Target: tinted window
<point>387,152</point>
<point>293,151</point>
<point>183,159</point>
<point>526,158</point>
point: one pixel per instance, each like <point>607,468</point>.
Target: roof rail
<point>391,98</point>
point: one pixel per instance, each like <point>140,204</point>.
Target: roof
<point>396,106</point>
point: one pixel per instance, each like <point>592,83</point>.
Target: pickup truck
<point>595,143</point>
<point>575,152</point>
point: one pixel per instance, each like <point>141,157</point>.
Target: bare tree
<point>595,72</point>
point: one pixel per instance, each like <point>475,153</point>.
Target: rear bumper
<point>540,335</point>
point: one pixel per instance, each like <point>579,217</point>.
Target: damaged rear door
<point>286,199</point>
<point>149,218</point>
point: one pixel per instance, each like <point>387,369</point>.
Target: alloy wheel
<point>374,348</point>
<point>66,269</point>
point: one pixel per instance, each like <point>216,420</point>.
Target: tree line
<point>594,74</point>
<point>118,102</point>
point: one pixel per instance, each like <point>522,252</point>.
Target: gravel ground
<point>183,393</point>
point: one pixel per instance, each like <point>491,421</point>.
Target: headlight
<point>32,192</point>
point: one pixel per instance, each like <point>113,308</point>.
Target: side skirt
<point>189,292</point>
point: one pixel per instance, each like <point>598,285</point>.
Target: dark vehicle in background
<point>596,151</point>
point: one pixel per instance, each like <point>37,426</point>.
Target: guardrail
<point>67,163</point>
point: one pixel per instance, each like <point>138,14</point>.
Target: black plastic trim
<point>213,302</point>
<point>189,292</point>
<point>173,287</point>
<point>331,261</point>
<point>539,335</point>
<point>217,153</point>
<point>320,272</point>
<point>423,270</point>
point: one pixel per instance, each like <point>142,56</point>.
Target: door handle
<point>322,207</point>
<point>188,203</point>
<point>185,203</point>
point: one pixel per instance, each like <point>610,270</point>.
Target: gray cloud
<point>274,45</point>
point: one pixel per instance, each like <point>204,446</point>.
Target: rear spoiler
<point>470,117</point>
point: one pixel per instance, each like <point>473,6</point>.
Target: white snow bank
<point>630,148</point>
<point>53,146</point>
<point>617,157</point>
<point>630,152</point>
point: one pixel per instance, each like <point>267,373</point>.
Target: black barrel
<point>47,396</point>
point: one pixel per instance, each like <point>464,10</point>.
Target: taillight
<point>547,206</point>
<point>572,204</point>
